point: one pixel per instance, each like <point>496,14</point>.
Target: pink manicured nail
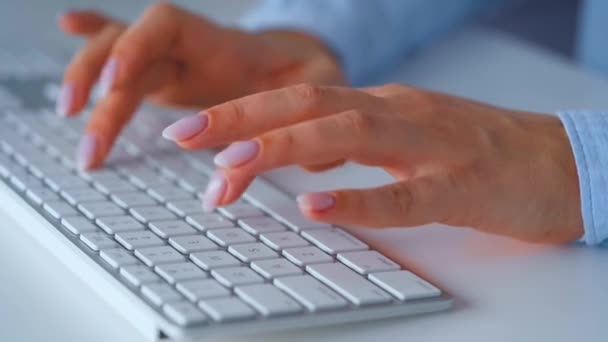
<point>64,100</point>
<point>108,74</point>
<point>186,128</point>
<point>86,151</point>
<point>214,192</point>
<point>237,154</point>
<point>317,201</point>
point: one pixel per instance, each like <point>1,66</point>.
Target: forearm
<point>368,37</point>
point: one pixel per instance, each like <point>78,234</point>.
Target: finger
<point>83,22</point>
<point>152,38</point>
<point>82,72</point>
<point>436,198</point>
<point>349,135</point>
<point>113,112</point>
<point>231,185</point>
<point>324,167</point>
<point>253,115</point>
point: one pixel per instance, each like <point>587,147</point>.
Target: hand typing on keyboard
<point>455,161</point>
<point>171,56</point>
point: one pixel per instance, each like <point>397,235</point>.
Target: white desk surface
<point>505,290</point>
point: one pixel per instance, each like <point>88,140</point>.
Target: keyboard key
<point>59,182</point>
<point>186,207</point>
<point>236,276</point>
<point>273,268</point>
<point>192,243</point>
<point>145,178</point>
<point>166,193</point>
<point>175,272</point>
<point>351,285</point>
<point>138,239</point>
<point>205,222</point>
<point>59,209</point>
<point>230,236</point>
<point>311,293</point>
<point>158,255</point>
<point>240,211</point>
<point>214,259</point>
<point>184,313</point>
<point>118,257</point>
<point>367,262</point>
<point>249,252</point>
<point>78,225</point>
<point>151,213</point>
<point>160,293</point>
<point>97,209</point>
<point>114,185</point>
<point>24,181</point>
<point>196,290</point>
<point>167,229</point>
<point>79,195</point>
<point>192,182</point>
<point>281,240</point>
<point>268,300</point>
<point>227,309</point>
<point>97,241</point>
<point>261,225</point>
<point>132,199</point>
<point>138,275</point>
<point>39,195</point>
<point>405,285</point>
<point>334,240</point>
<point>117,224</point>
<point>303,256</point>
<point>292,217</point>
<point>98,175</point>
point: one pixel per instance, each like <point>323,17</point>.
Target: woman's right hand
<point>171,56</point>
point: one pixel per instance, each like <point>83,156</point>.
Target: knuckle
<point>392,88</point>
<point>402,199</point>
<point>425,100</point>
<point>308,92</point>
<point>279,142</point>
<point>131,48</point>
<point>360,123</point>
<point>230,114</point>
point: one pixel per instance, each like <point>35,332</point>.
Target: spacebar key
<point>351,285</point>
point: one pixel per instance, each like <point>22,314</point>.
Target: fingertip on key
<point>316,202</point>
<point>86,151</point>
<point>65,100</point>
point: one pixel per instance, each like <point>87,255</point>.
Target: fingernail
<point>214,192</point>
<point>108,74</point>
<point>186,128</point>
<point>86,151</point>
<point>237,154</point>
<point>317,201</point>
<point>64,100</point>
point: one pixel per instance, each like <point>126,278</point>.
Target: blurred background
<point>547,23</point>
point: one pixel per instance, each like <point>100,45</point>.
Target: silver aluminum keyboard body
<point>135,234</point>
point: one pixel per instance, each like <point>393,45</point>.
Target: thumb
<point>413,202</point>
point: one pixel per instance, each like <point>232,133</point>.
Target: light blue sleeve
<point>588,133</point>
<point>369,36</point>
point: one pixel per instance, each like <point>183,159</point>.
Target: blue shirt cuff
<point>588,133</point>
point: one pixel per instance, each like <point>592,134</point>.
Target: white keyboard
<point>257,263</point>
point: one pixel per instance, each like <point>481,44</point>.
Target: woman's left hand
<point>455,161</point>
